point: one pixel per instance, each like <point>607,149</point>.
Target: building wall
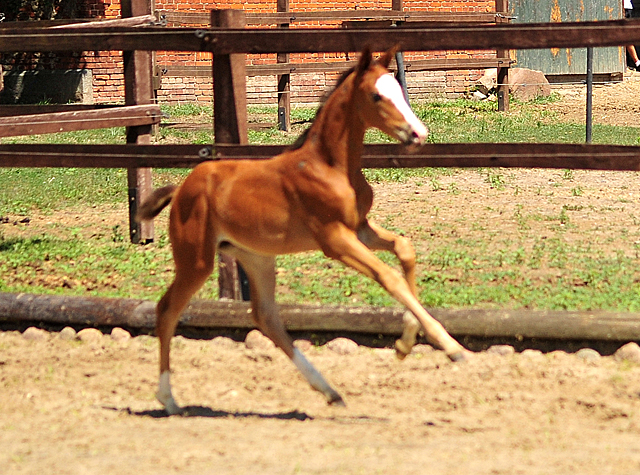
<point>108,81</point>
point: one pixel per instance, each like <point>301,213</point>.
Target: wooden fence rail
<point>508,155</point>
<point>68,121</point>
<point>175,18</point>
<point>324,40</point>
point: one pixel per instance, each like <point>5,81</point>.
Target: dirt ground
<point>71,406</point>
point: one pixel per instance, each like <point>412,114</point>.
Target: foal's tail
<point>156,202</point>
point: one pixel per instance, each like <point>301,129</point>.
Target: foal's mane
<point>299,142</point>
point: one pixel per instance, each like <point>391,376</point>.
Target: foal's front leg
<point>341,243</point>
<point>379,239</point>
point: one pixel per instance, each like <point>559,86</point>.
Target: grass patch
<point>550,273</point>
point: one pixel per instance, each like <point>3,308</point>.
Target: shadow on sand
<point>202,411</point>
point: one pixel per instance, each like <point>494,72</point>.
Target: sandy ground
<point>71,406</point>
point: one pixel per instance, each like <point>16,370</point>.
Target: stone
<point>530,353</point>
<point>478,96</point>
<point>255,340</point>
<point>502,350</point>
<point>303,345</point>
<point>67,333</point>
<point>524,84</point>
<point>628,352</point>
<point>487,83</point>
<point>422,349</point>
<point>35,334</point>
<point>527,84</point>
<point>588,354</point>
<point>223,342</point>
<point>120,334</point>
<point>89,335</point>
<point>342,346</point>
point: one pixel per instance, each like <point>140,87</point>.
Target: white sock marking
<point>312,375</point>
<point>164,393</point>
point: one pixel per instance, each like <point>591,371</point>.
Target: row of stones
<point>257,341</point>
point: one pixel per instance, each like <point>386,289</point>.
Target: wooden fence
<point>139,114</point>
<point>229,45</point>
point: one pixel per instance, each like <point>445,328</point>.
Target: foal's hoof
<point>402,349</point>
<point>170,405</point>
<point>460,356</point>
<point>336,400</point>
<point>174,410</point>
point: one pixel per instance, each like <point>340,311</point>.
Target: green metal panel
<point>568,60</point>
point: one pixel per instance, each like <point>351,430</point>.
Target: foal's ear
<point>385,59</point>
<point>365,60</point>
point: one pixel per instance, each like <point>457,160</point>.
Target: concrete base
<point>47,87</point>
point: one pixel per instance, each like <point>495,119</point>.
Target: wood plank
<point>328,66</point>
<point>259,41</point>
<point>79,120</point>
<point>28,109</point>
<point>508,155</point>
<point>455,64</point>
<point>140,20</point>
<point>220,315</point>
<point>43,23</point>
<point>273,18</point>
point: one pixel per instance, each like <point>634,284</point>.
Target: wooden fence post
<point>230,126</point>
<point>397,6</point>
<point>502,78</point>
<point>284,81</point>
<point>138,89</point>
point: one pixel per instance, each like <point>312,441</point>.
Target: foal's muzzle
<point>412,136</point>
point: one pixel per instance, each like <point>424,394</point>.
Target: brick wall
<point>108,82</point>
<point>308,88</point>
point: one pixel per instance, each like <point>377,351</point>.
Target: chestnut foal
<point>311,197</point>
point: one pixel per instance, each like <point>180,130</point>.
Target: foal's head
<point>381,103</point>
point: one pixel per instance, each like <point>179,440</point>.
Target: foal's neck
<point>339,131</point>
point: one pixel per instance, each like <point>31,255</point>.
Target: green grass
<point>465,121</point>
<point>553,273</point>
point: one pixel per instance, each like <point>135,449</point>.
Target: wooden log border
<point>224,315</point>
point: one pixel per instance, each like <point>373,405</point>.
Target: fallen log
<point>221,315</point>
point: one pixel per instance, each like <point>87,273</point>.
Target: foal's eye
<point>376,97</point>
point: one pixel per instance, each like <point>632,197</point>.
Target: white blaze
<point>388,87</point>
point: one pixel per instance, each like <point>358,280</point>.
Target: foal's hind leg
<point>169,309</point>
<point>380,239</point>
<point>262,283</point>
<point>341,243</point>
